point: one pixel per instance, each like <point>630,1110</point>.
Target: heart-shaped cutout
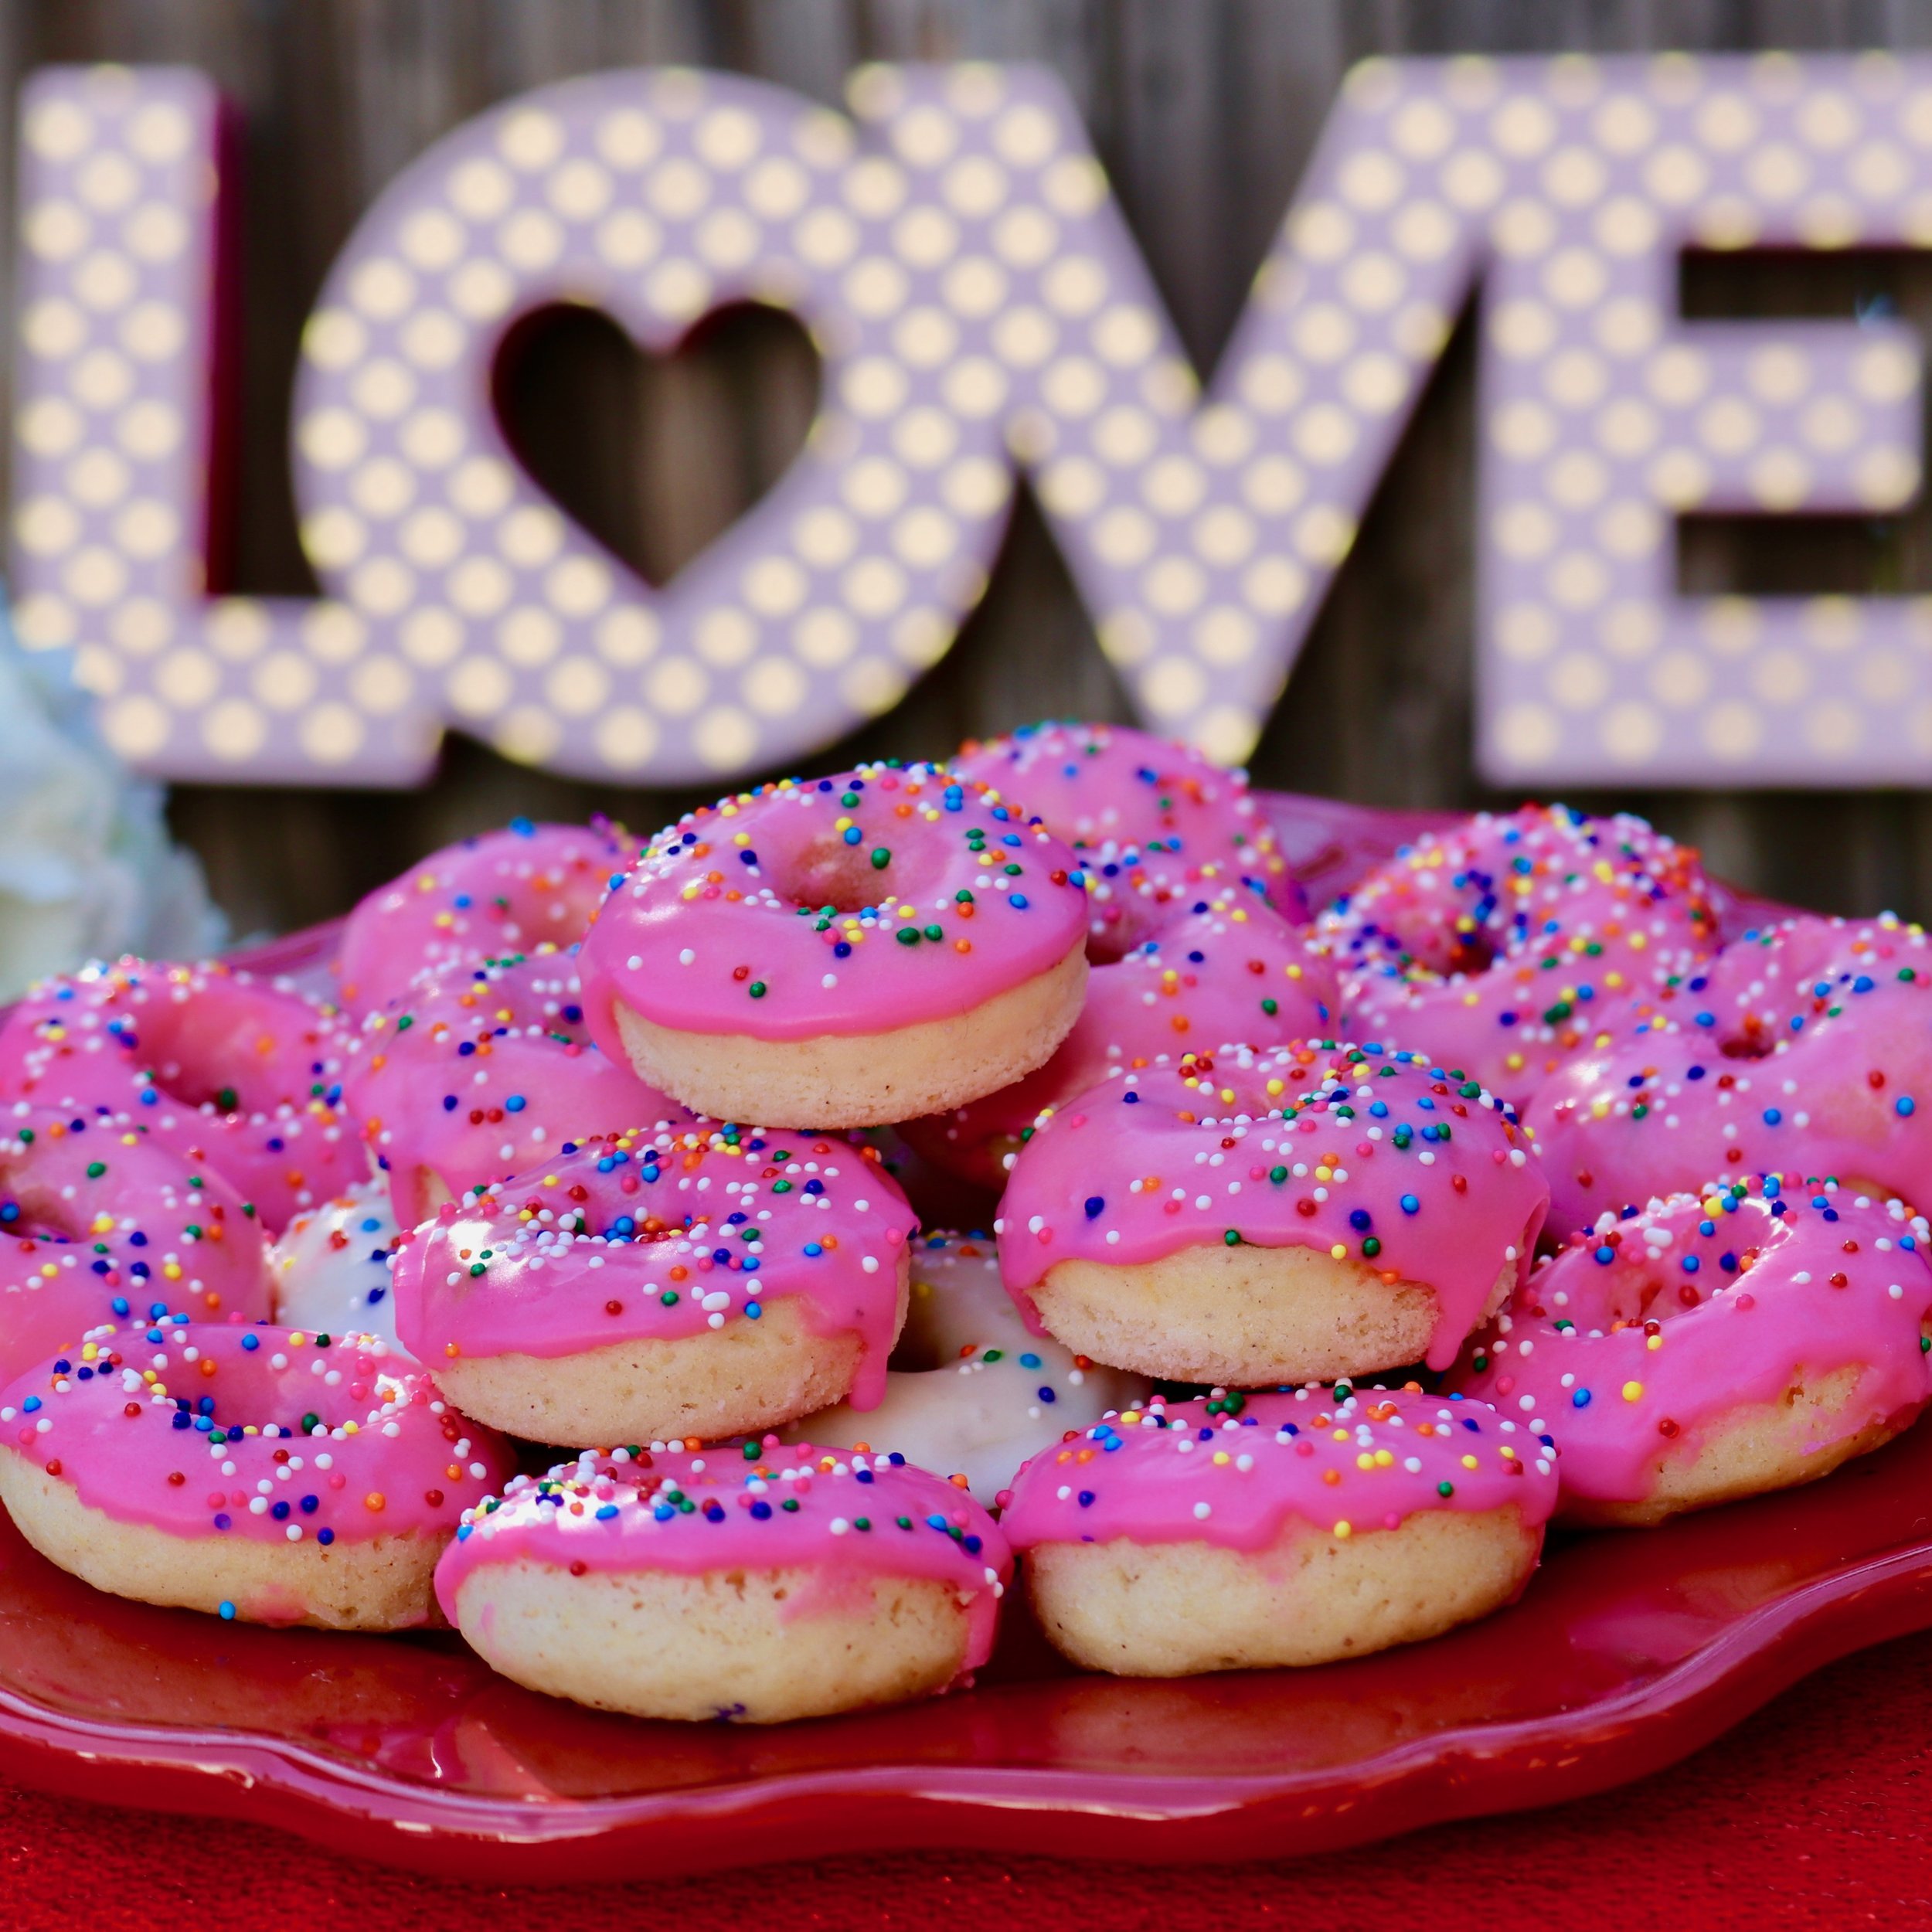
<point>654,456</point>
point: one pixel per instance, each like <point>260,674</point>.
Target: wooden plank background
<point>1203,111</point>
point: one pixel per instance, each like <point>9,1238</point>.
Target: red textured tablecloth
<point>1815,1813</point>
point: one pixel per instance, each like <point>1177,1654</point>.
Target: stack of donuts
<point>710,1270</point>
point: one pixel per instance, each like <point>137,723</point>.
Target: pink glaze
<point>1315,1146</point>
<point>644,1510</point>
<point>652,1234</point>
<point>1809,1052</point>
<point>241,1076</point>
<point>1153,821</point>
<point>146,1231</point>
<point>384,1456</point>
<point>481,1071</point>
<point>1237,1471</point>
<point>1224,973</point>
<point>1508,944</point>
<point>506,892</point>
<point>722,926</point>
<point>1642,1335</point>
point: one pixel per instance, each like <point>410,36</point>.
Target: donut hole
<point>38,1201</point>
<point>1472,953</point>
<point>956,1311</point>
<point>1645,1285</point>
<point>233,1055</point>
<point>1109,938</point>
<point>1758,1041</point>
<point>32,1209</point>
<point>828,875</point>
<point>205,1090</point>
<point>918,1350</point>
<point>1431,939</point>
<point>246,1391</point>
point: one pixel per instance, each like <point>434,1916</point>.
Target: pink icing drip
<point>1174,1473</point>
<point>831,1487</point>
<point>1204,980</point>
<point>543,1293</point>
<point>146,1209</point>
<point>115,1035</point>
<point>125,1464</point>
<point>727,901</point>
<point>1655,1371</point>
<point>1473,944</point>
<point>506,892</point>
<point>1120,1161</point>
<point>507,1042</point>
<point>1153,821</point>
<point>1753,1093</point>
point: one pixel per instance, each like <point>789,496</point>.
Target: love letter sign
<point>981,308</point>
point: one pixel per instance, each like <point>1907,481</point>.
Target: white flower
<point>87,869</point>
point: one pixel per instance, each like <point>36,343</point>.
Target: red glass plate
<point>1629,1650</point>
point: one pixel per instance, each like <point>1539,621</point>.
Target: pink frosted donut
<point>486,1070</point>
<point>99,1220</point>
<point>1153,821</point>
<point>1504,945</point>
<point>263,1473</point>
<point>756,1583</point>
<point>1806,1051</point>
<point>1226,972</point>
<point>1246,1216</point>
<point>695,1281</point>
<point>1239,1533</point>
<point>841,952</point>
<point>241,1075</point>
<point>504,892</point>
<point>1709,1349</point>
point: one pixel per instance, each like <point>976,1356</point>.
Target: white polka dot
<point>478,688</point>
<point>626,738</point>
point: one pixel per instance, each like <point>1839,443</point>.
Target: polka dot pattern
<point>978,302</point>
<point>1605,416</point>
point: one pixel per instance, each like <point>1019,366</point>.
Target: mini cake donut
<point>845,952</point>
<point>512,891</point>
<point>697,1282</point>
<point>241,1075</point>
<point>1242,1532</point>
<point>1709,1349</point>
<point>1226,972</point>
<point>970,1393</point>
<point>97,1219</point>
<point>1154,822</point>
<point>1809,1052</point>
<point>1504,945</point>
<point>486,1070</point>
<point>330,1268</point>
<point>1286,1217</point>
<point>753,1584</point>
<point>262,1473</point>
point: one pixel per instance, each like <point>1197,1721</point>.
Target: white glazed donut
<point>331,1268</point>
<point>971,1392</point>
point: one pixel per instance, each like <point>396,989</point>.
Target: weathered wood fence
<point>1203,111</point>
